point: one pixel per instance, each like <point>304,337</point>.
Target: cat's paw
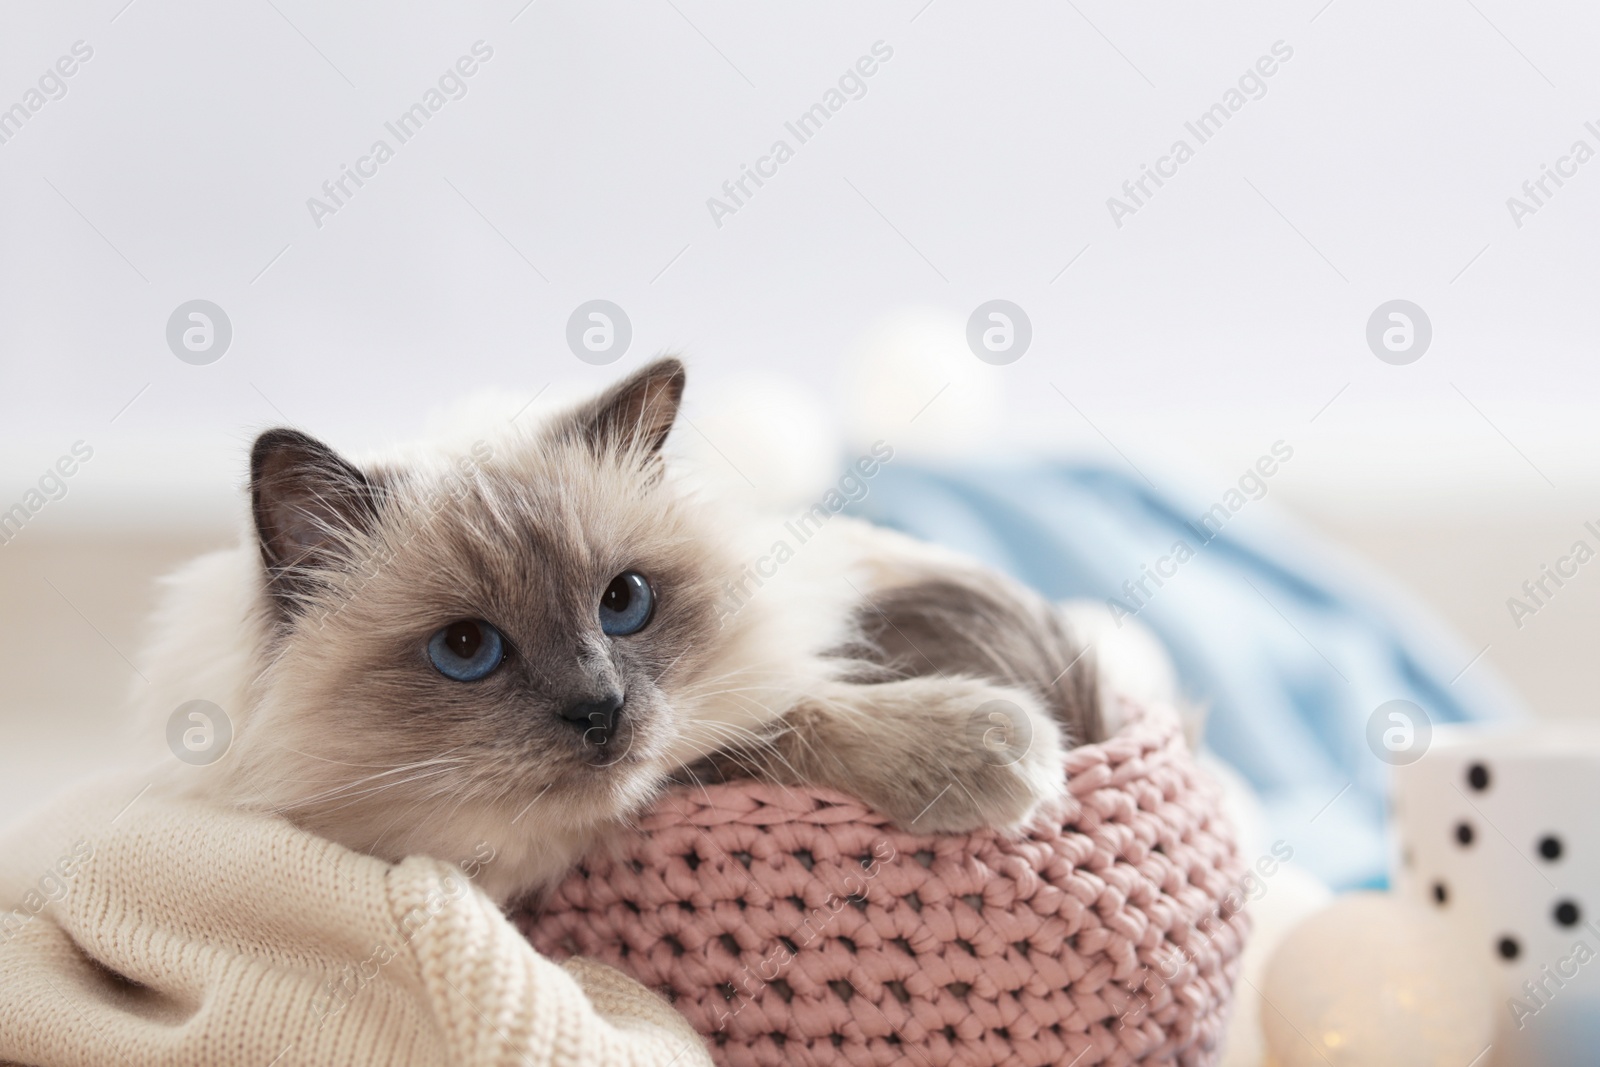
<point>936,755</point>
<point>987,757</point>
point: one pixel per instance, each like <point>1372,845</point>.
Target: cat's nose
<point>595,714</point>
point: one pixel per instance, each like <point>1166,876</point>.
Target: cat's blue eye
<point>626,605</point>
<point>467,651</point>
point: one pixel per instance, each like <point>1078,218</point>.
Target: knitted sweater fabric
<point>139,929</point>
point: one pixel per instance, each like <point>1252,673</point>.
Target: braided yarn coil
<point>797,927</point>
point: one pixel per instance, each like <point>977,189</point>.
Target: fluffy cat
<point>519,644</point>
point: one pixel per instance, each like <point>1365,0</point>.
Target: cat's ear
<point>635,415</point>
<point>307,501</point>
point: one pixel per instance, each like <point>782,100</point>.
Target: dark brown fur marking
<point>949,627</point>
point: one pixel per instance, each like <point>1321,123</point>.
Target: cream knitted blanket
<point>137,929</point>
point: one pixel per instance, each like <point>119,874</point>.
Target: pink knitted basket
<point>796,927</point>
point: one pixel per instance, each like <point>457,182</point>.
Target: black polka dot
<point>1463,834</point>
<point>1441,895</point>
<point>1478,777</point>
<point>1566,913</point>
<point>1508,948</point>
<point>1550,847</point>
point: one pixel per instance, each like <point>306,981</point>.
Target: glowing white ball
<point>1373,981</point>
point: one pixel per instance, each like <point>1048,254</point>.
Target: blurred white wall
<point>1225,313</point>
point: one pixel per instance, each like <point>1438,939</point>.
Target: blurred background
<point>1161,334</point>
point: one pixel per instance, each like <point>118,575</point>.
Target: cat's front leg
<point>937,755</point>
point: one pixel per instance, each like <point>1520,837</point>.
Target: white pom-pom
<point>766,441</point>
<point>914,383</point>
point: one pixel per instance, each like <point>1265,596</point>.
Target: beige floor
<point>70,621</point>
<point>72,610</point>
<point>1466,568</point>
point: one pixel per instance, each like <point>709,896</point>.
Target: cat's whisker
<point>759,747</point>
<point>347,798</point>
<point>344,763</point>
<point>732,672</point>
<point>689,770</point>
<point>433,767</point>
<point>751,743</point>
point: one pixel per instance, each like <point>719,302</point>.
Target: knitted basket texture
<point>797,927</point>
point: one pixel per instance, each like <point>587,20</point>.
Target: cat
<point>522,643</point>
